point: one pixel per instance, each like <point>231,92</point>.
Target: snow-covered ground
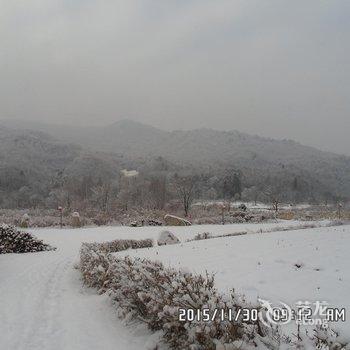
<point>264,265</point>
<point>44,305</point>
<point>252,205</point>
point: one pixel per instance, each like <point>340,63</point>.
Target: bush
<point>14,241</point>
<point>118,245</point>
<point>201,236</point>
<point>147,291</point>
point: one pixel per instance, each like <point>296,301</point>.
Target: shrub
<point>201,236</point>
<point>14,241</point>
<point>147,291</point>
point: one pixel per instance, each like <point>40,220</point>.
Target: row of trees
<point>155,190</point>
<point>152,190</point>
<point>155,187</point>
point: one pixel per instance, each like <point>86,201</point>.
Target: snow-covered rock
<point>25,221</point>
<point>76,222</point>
<point>167,237</point>
<point>172,220</point>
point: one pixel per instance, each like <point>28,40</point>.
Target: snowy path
<point>44,306</point>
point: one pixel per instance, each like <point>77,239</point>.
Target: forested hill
<point>260,161</point>
<point>34,166</point>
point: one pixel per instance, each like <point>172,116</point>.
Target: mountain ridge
<point>205,150</point>
<point>128,124</point>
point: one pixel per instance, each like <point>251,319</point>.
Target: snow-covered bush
<point>146,290</point>
<point>119,245</point>
<point>326,338</point>
<point>201,236</point>
<point>95,259</point>
<point>14,241</point>
<point>145,222</point>
<point>153,222</point>
<point>208,235</point>
<point>39,218</point>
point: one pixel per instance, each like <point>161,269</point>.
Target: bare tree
<point>158,190</point>
<point>273,196</point>
<point>101,195</point>
<point>185,186</point>
<point>275,203</point>
<point>339,207</point>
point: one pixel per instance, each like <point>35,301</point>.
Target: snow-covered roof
<point>130,173</point>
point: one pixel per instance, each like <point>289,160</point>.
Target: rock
<point>167,237</point>
<point>25,221</point>
<point>76,222</point>
<point>172,220</point>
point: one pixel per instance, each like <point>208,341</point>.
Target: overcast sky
<point>274,68</point>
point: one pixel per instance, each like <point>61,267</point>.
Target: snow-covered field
<point>264,265</point>
<point>251,205</point>
<point>44,305</point>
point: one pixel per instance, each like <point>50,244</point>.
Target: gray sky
<point>269,67</point>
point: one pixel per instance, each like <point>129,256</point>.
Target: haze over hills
<point>202,150</point>
<point>33,164</point>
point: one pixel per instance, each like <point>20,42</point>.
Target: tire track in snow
<point>29,272</point>
<point>33,316</point>
<point>46,325</point>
